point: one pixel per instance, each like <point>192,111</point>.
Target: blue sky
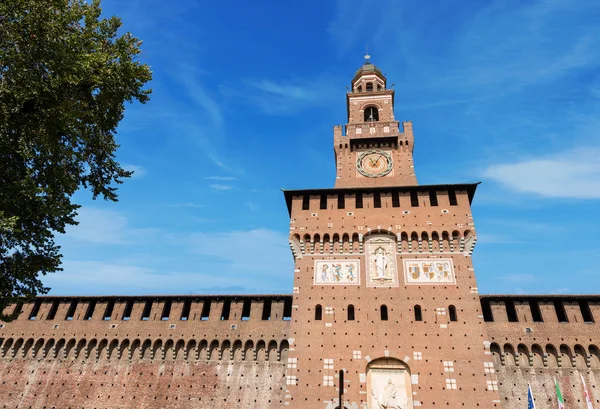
<point>245,98</point>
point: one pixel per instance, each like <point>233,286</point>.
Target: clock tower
<point>386,310</point>
<point>374,150</point>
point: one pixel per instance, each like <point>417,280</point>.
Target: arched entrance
<point>389,384</point>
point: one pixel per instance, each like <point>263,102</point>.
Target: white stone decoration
<point>337,272</point>
<point>429,271</point>
<point>389,385</point>
<point>382,268</point>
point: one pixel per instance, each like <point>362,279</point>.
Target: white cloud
<point>138,171</point>
<point>574,174</point>
<point>105,227</point>
<point>222,178</point>
<point>114,278</point>
<point>262,251</point>
<point>244,261</point>
<point>219,186</point>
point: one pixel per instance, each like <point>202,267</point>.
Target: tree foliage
<point>66,74</point>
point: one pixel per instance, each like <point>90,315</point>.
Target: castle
<point>384,312</point>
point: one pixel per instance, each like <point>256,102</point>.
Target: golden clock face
<point>374,163</point>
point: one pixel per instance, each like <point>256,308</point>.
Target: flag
<point>588,400</point>
<point>530,402</point>
<point>559,398</point>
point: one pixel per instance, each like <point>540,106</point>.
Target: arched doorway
<point>389,384</point>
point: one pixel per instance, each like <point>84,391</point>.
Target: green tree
<point>66,75</point>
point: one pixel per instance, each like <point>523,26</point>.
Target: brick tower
<point>384,288</point>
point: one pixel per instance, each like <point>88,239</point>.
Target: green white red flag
<point>588,400</point>
<point>559,398</point>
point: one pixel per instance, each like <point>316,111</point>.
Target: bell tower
<point>384,286</point>
<point>372,149</point>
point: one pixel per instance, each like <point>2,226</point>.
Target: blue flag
<point>530,403</point>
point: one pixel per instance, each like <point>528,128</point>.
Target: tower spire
<point>367,56</point>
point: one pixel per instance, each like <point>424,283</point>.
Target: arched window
<point>452,313</point>
<point>418,313</point>
<point>384,313</point>
<point>369,86</point>
<point>360,88</point>
<point>351,312</point>
<point>318,312</point>
<point>371,114</point>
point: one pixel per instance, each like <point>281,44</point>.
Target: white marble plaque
<point>429,271</point>
<point>389,385</point>
<point>337,272</point>
<point>381,261</point>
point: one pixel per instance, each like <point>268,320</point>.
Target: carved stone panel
<point>380,252</point>
<point>429,271</point>
<point>389,385</point>
<point>337,272</point>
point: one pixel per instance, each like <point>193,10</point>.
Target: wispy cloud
<point>283,97</point>
<point>102,226</point>
<point>138,171</point>
<point>574,174</point>
<point>220,186</point>
<point>222,178</point>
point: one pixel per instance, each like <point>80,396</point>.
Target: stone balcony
<point>372,130</point>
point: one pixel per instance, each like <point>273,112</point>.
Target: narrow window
<point>351,312</point>
<point>109,310</point>
<point>205,313</point>
<point>127,311</point>
<point>246,310</point>
<point>536,313</point>
<point>318,312</point>
<point>369,86</point>
<point>89,312</point>
<point>561,314</point>
<point>341,201</point>
<point>359,201</point>
<point>266,312</point>
<point>71,311</point>
<point>360,88</point>
<point>586,313</point>
<point>433,198</point>
<point>35,310</point>
<point>511,311</point>
<point>323,202</point>
<point>452,313</point>
<point>226,309</point>
<point>486,309</point>
<point>287,309</point>
<point>166,312</point>
<point>185,312</point>
<point>452,197</point>
<point>53,310</point>
<point>395,199</point>
<point>384,313</point>
<point>414,199</point>
<point>147,310</point>
<point>418,313</point>
<point>377,199</point>
<point>305,202</point>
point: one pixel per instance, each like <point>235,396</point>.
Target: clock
<point>374,163</point>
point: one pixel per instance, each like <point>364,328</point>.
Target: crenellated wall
<point>146,352</point>
<point>214,359</point>
<point>535,339</point>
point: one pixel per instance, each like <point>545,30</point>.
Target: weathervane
<point>367,56</point>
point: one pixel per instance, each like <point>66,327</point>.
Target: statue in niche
<point>387,398</point>
<point>381,263</point>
